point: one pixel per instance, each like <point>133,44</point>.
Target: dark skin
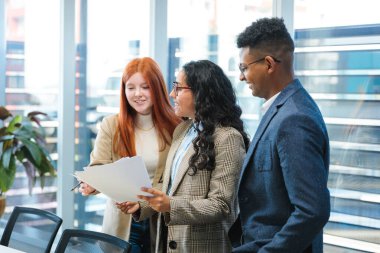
<point>267,77</point>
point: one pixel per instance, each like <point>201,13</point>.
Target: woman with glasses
<point>143,126</point>
<point>197,203</point>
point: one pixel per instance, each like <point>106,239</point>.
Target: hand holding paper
<point>128,207</point>
<point>158,200</point>
<point>121,180</point>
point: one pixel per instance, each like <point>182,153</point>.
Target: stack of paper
<point>121,180</point>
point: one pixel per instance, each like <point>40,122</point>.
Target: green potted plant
<point>22,142</point>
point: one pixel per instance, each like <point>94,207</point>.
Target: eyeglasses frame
<point>177,88</point>
<point>243,67</point>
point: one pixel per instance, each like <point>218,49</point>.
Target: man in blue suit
<point>283,196</point>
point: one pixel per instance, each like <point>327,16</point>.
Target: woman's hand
<point>159,201</point>
<point>86,189</point>
<point>128,207</point>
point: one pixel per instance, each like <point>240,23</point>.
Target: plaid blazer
<point>203,206</point>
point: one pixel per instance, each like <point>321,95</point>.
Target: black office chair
<point>77,240</point>
<point>31,230</point>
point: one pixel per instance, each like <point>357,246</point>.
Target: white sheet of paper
<point>121,180</point>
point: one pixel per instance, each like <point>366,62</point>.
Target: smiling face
<point>254,71</point>
<point>138,94</point>
<point>184,105</point>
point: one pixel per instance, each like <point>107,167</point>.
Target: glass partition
<point>212,35</point>
<point>110,33</point>
<point>31,84</point>
<point>338,61</point>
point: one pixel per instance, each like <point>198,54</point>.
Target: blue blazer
<point>283,197</point>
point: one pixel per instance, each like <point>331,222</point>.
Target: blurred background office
<point>65,58</point>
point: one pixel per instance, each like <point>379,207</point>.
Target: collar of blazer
<point>287,92</point>
<point>178,135</point>
<point>159,174</point>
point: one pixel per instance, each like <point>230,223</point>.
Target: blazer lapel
<point>182,170</point>
<point>259,132</point>
<point>173,150</point>
<point>272,111</point>
<point>159,174</point>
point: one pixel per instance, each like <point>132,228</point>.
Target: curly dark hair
<point>215,105</point>
<point>269,34</point>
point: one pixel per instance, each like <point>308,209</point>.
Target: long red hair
<point>163,116</point>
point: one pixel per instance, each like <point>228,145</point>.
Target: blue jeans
<point>140,237</point>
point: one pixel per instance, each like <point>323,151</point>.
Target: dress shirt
<point>267,104</point>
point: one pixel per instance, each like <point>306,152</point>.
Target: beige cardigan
<point>116,222</point>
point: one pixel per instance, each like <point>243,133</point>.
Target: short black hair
<point>268,34</point>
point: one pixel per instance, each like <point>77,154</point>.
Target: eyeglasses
<point>177,88</point>
<point>243,67</point>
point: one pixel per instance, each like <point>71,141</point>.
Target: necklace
<point>144,129</point>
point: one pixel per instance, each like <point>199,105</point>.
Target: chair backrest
<point>31,230</point>
<point>77,240</point>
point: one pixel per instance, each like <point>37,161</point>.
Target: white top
<point>181,152</point>
<point>267,104</point>
<point>147,144</point>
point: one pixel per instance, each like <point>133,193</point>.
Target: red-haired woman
<point>144,127</point>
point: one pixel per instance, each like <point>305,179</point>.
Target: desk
<point>4,249</point>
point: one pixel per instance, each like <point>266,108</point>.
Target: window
<point>31,76</point>
<point>338,62</point>
<point>212,35</point>
<point>105,45</point>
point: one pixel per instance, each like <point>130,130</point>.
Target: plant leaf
<point>25,137</point>
<point>29,169</point>
<point>25,131</point>
<point>3,131</point>
<point>6,157</point>
<point>20,155</point>
<point>42,181</point>
<point>34,113</point>
<point>31,173</point>
<point>47,167</point>
<point>40,140</point>
<point>47,154</point>
<point>43,168</point>
<point>7,175</point>
<point>34,150</point>
<point>32,117</point>
<point>4,179</point>
<point>15,122</point>
<point>6,137</point>
<point>9,143</point>
<point>4,113</point>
